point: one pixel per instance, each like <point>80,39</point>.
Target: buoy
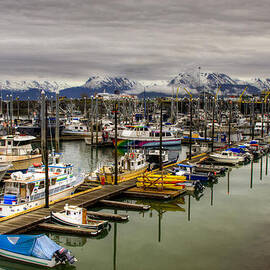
<point>132,155</point>
<point>37,164</point>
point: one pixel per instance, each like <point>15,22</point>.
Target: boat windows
<point>9,142</point>
<point>168,134</point>
<point>53,181</point>
<point>68,213</point>
<point>157,134</point>
<point>58,170</point>
<point>163,134</point>
<point>41,184</point>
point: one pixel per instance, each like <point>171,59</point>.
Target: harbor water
<point>226,227</point>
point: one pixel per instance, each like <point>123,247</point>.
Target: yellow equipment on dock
<point>159,181</point>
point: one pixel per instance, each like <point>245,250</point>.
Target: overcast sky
<point>70,40</point>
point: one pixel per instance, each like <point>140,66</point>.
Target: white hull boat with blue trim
<point>24,191</point>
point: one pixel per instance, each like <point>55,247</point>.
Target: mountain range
<point>95,84</point>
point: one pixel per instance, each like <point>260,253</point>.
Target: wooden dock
<point>26,221</point>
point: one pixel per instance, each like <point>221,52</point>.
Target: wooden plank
<point>135,194</point>
<point>67,229</point>
<point>125,205</point>
<point>107,216</point>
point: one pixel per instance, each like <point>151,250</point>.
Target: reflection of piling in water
<point>114,242</point>
<point>228,178</point>
<point>261,166</point>
<point>251,174</point>
<point>159,225</point>
<point>189,207</point>
<point>212,195</point>
<point>266,164</point>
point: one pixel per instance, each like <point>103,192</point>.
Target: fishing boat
<point>77,129</point>
<point>34,249</point>
<point>227,157</point>
<point>77,217</point>
<point>153,157</point>
<point>24,191</point>
<point>132,165</point>
<point>143,136</point>
<point>17,150</point>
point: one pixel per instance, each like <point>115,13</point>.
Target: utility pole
<point>230,119</point>
<point>11,113</point>
<point>47,180</point>
<point>115,144</point>
<point>28,108</point>
<point>160,137</point>
<point>190,127</point>
<point>57,142</point>
<point>262,117</point>
<point>213,122</point>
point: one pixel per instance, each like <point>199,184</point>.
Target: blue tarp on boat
<point>39,246</point>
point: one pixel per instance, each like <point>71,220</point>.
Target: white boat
<point>23,191</point>
<point>76,130</point>
<point>77,217</point>
<point>17,149</point>
<point>34,249</point>
<point>133,164</point>
<point>227,157</point>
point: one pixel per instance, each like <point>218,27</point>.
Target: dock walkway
<point>26,221</point>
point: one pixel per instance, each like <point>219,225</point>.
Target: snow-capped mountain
<point>193,82</point>
<point>263,84</point>
<point>51,86</point>
<point>205,81</point>
<point>110,84</point>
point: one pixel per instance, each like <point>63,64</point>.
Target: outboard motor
<point>198,186</point>
<point>63,255</point>
<point>212,176</point>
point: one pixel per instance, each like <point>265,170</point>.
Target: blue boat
<point>34,249</point>
<point>186,170</point>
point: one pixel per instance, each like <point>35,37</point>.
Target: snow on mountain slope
<point>26,85</point>
<point>110,84</point>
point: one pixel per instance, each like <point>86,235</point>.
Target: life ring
<point>132,155</point>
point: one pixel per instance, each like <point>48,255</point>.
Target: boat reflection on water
<point>68,240</point>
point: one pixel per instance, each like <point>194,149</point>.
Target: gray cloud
<point>140,39</point>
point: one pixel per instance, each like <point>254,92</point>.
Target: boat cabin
<point>17,145</point>
<point>75,214</point>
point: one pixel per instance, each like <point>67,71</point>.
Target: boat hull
<point>100,226</point>
<point>21,163</point>
<point>28,259</point>
<point>125,143</point>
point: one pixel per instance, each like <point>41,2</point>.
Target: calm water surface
<point>228,226</point>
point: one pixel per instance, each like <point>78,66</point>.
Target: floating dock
<point>26,221</point>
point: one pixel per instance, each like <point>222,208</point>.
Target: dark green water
<point>228,227</point>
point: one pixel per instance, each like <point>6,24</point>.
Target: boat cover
<point>39,246</point>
